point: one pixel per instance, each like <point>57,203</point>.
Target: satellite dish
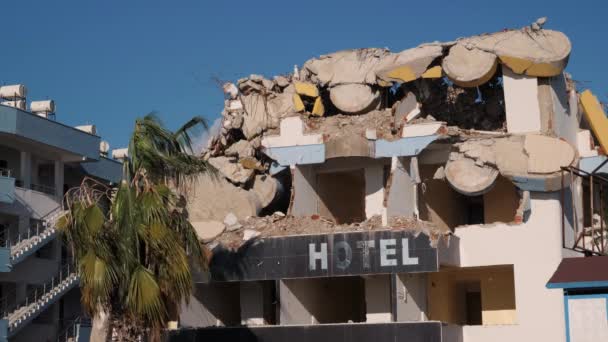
<point>104,146</point>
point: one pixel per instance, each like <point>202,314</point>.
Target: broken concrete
<point>344,67</point>
<point>231,169</point>
<point>542,156</point>
<point>354,98</point>
<point>266,188</point>
<point>468,178</point>
<point>212,198</point>
<point>542,53</point>
<point>207,231</point>
<point>407,65</point>
<point>240,149</point>
<point>468,66</point>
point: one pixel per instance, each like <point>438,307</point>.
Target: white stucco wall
<point>534,250</point>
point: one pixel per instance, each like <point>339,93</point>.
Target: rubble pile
<point>279,224</point>
<point>353,96</point>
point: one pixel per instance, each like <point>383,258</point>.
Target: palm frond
<point>144,298</point>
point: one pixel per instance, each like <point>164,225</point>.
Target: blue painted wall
<point>7,189</point>
<point>104,168</point>
<point>49,132</point>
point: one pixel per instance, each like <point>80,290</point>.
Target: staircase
<point>39,299</point>
<point>76,330</point>
<point>35,238</point>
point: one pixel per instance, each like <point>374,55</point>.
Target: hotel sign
<point>326,255</point>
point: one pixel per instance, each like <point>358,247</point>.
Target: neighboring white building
<point>40,158</point>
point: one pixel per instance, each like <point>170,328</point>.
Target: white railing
<point>49,190</point>
<point>71,331</point>
<point>37,233</point>
<point>5,172</point>
<point>16,312</point>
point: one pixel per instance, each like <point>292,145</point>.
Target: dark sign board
<point>357,332</point>
<point>327,255</point>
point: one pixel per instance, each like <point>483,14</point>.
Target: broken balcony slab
<point>468,66</point>
<point>404,147</point>
<point>541,53</point>
<point>354,98</point>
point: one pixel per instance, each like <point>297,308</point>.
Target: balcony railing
<point>49,190</point>
<point>5,172</point>
<point>71,329</point>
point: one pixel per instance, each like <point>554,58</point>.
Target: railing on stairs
<point>38,234</point>
<point>73,330</point>
<point>37,298</point>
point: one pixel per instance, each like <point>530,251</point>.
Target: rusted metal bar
<point>602,249</point>
<point>563,200</point>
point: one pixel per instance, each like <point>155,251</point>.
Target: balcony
<point>7,187</point>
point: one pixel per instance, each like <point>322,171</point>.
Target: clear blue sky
<point>108,62</point>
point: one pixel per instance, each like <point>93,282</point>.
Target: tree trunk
<point>100,329</point>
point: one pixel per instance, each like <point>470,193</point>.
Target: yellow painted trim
<point>523,66</point>
<point>384,83</point>
<point>595,115</point>
<point>318,109</point>
<point>403,73</point>
<point>434,72</point>
<point>297,103</point>
<point>306,89</point>
<point>543,70</point>
<point>518,65</point>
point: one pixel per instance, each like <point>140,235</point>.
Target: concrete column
<point>59,174</point>
<point>374,190</point>
<point>305,198</point>
<point>521,102</point>
<point>402,199</point>
<point>292,309</point>
<point>378,298</point>
<point>26,169</point>
<point>411,297</point>
<point>252,303</point>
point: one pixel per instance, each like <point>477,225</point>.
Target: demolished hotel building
<point>425,195</point>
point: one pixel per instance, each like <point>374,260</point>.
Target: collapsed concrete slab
<point>541,53</point>
<point>344,67</point>
<point>407,65</point>
<point>468,66</point>
<point>469,178</point>
<point>526,160</point>
<point>354,98</point>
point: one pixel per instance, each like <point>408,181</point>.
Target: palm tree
<point>132,243</point>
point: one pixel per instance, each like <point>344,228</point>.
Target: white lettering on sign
<point>388,248</point>
<point>342,248</point>
<point>343,254</point>
<point>405,251</point>
<point>314,256</point>
<point>366,245</point>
